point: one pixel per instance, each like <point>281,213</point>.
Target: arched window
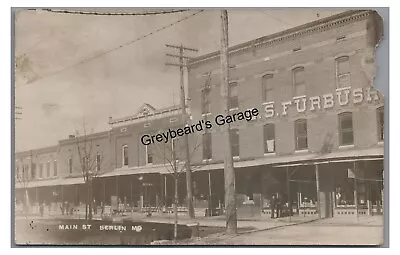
<point>346,134</point>
<point>299,81</point>
<point>234,95</point>
<point>381,122</point>
<point>267,88</point>
<point>125,156</point>
<point>342,72</point>
<point>207,146</point>
<point>69,166</point>
<point>301,134</point>
<point>234,136</point>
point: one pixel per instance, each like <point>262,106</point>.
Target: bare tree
<point>90,163</point>
<point>22,177</point>
<point>172,153</point>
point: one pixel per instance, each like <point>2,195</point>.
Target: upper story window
<point>299,81</point>
<point>234,136</point>
<point>267,88</point>
<point>26,172</point>
<point>98,161</point>
<point>342,72</point>
<point>346,136</point>
<point>207,146</point>
<point>301,134</point>
<point>70,165</point>
<point>149,154</point>
<point>233,95</point>
<point>269,138</point>
<point>205,100</point>
<point>48,168</point>
<point>55,170</point>
<point>33,171</point>
<point>17,173</point>
<point>40,170</point>
<point>125,156</point>
<point>381,122</point>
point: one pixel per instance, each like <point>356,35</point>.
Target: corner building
<point>318,142</point>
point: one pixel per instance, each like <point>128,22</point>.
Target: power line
<point>113,49</point>
<point>276,18</point>
<point>97,13</point>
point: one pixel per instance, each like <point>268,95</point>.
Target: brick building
<point>319,116</point>
<point>320,124</point>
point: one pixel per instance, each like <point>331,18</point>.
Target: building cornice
<point>331,22</point>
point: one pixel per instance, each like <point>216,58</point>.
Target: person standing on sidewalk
<point>273,206</point>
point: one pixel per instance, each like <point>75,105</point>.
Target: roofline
<point>97,135</point>
<point>318,25</point>
<point>144,117</point>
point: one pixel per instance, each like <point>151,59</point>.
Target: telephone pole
<point>229,171</point>
<point>182,61</point>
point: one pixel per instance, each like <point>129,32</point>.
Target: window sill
<point>270,102</point>
<point>206,160</point>
<point>234,109</point>
<point>236,157</point>
<point>301,151</point>
<point>270,154</point>
<point>381,143</point>
<point>149,164</point>
<point>343,147</point>
<point>206,114</point>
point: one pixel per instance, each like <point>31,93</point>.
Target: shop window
<point>205,101</point>
<point>234,136</point>
<point>346,136</point>
<point>70,165</point>
<point>301,134</point>
<point>299,81</point>
<point>269,138</point>
<point>267,88</point>
<point>381,122</point>
<point>125,156</point>
<point>233,95</point>
<point>342,72</point>
<point>149,154</point>
<point>207,146</point>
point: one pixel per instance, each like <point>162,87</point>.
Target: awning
<point>294,159</point>
<point>305,158</point>
<point>160,169</point>
<point>50,182</point>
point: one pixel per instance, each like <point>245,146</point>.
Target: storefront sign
<point>341,97</point>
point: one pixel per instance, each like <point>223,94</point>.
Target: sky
<point>59,89</point>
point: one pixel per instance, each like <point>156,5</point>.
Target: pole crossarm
<point>181,47</point>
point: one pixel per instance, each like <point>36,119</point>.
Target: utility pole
<point>181,65</point>
<point>229,171</point>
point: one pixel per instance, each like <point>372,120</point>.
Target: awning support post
<point>318,191</point>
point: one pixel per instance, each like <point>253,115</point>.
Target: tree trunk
<point>176,208</point>
<point>90,201</point>
<point>86,202</point>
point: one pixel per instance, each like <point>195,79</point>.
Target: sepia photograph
<point>198,127</point>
